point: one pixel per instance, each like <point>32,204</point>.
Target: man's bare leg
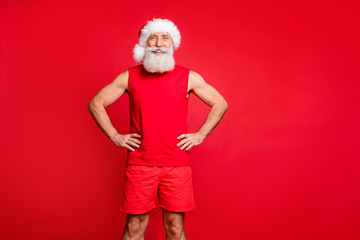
<point>174,225</point>
<point>135,226</point>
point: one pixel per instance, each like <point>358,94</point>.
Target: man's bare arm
<point>211,97</point>
<point>104,98</point>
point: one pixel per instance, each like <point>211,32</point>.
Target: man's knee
<point>133,226</point>
<point>175,229</point>
<point>174,224</point>
<point>136,224</point>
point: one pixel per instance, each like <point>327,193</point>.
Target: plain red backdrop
<point>282,164</point>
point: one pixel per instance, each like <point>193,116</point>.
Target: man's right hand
<point>127,140</point>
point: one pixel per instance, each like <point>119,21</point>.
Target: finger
<point>135,140</point>
<point>185,145</point>
<point>135,135</point>
<point>128,147</point>
<point>133,144</point>
<point>182,142</point>
<point>190,146</point>
<point>182,136</point>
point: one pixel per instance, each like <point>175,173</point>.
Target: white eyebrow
<point>164,34</point>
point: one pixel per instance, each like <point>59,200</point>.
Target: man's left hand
<point>190,140</point>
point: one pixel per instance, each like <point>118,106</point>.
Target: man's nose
<point>159,43</point>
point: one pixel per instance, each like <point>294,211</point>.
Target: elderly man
<point>158,144</point>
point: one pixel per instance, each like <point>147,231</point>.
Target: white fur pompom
<point>139,53</point>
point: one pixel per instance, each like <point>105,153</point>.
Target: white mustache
<point>154,49</point>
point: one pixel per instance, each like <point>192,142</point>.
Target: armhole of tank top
<point>187,83</point>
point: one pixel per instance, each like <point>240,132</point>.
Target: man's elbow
<point>92,105</point>
<point>221,104</point>
<point>226,105</point>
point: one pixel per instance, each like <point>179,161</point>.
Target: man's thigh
<point>140,190</point>
<point>176,192</point>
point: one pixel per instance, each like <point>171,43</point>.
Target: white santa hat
<point>152,26</point>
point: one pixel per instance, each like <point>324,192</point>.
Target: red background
<point>282,164</point>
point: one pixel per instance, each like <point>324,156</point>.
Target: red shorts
<point>172,185</point>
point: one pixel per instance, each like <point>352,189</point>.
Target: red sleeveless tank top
<point>158,112</point>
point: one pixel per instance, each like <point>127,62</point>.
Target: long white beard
<point>159,63</point>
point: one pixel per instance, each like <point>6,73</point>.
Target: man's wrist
<point>202,133</point>
<point>113,136</point>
